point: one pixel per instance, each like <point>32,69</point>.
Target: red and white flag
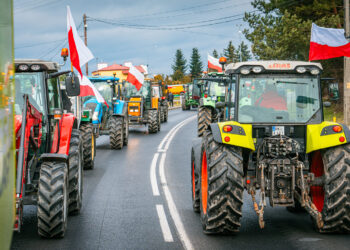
<point>213,63</point>
<point>79,53</point>
<point>135,77</point>
<point>87,88</point>
<point>327,43</point>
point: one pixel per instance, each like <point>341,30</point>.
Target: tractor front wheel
<point>126,130</point>
<point>75,176</point>
<point>333,199</point>
<point>89,145</point>
<point>166,113</point>
<point>153,119</point>
<point>204,118</point>
<point>116,132</point>
<point>221,186</point>
<point>52,199</point>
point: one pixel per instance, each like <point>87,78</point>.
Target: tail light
<point>163,97</point>
<point>206,96</point>
<point>337,129</point>
<point>227,128</point>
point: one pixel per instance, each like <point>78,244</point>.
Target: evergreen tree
<point>179,67</point>
<point>230,53</point>
<point>215,54</point>
<point>243,53</point>
<point>196,64</point>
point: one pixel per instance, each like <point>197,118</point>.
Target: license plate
<point>277,130</point>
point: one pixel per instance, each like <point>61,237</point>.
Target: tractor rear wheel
<point>116,132</point>
<point>221,186</point>
<point>333,199</point>
<point>159,120</point>
<point>195,183</point>
<point>162,115</point>
<point>204,118</point>
<point>166,113</point>
<point>52,199</point>
<point>126,130</point>
<point>75,175</point>
<point>89,142</point>
<point>153,121</point>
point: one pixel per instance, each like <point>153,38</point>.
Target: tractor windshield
<point>156,91</point>
<point>31,84</point>
<point>286,98</point>
<point>105,90</point>
<point>216,88</point>
<point>131,91</point>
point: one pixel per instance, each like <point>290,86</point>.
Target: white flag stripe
<point>214,61</point>
<point>86,82</point>
<point>137,74</point>
<point>84,52</point>
<point>328,36</point>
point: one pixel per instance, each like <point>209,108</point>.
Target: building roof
<point>124,69</point>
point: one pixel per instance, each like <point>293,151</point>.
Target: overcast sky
<point>40,29</point>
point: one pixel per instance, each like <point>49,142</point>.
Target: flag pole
<point>346,95</point>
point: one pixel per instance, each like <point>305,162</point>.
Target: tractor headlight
<point>301,70</point>
<point>35,67</point>
<point>257,69</point>
<point>315,71</point>
<point>245,71</point>
<point>95,116</point>
<point>23,67</point>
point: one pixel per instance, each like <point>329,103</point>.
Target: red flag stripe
<point>212,66</point>
<point>321,52</point>
<point>74,56</point>
<point>133,80</point>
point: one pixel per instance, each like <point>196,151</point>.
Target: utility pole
<point>85,39</point>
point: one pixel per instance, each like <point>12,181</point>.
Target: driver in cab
<point>271,99</point>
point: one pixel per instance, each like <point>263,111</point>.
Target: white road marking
<point>153,175</point>
<point>164,225</point>
<point>161,169</point>
<point>171,204</point>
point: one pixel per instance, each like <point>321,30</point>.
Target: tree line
<point>184,72</point>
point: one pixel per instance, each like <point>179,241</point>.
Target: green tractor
<point>213,92</point>
<point>274,142</point>
<point>190,98</point>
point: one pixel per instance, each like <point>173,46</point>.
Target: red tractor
<point>49,165</point>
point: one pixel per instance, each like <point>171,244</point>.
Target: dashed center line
<point>170,201</point>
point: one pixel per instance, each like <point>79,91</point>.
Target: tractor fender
<point>68,122</point>
<point>321,136</point>
<point>54,157</point>
<point>240,135</point>
<point>197,153</point>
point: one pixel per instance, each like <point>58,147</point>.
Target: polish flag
<point>79,53</point>
<point>327,43</point>
<point>135,77</point>
<point>88,89</point>
<point>213,63</point>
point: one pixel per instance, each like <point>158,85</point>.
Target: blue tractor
<point>102,119</point>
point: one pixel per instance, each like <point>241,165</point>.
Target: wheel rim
<point>317,192</point>
<point>204,182</point>
<point>93,146</point>
<point>193,182</point>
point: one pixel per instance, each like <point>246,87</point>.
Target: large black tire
<point>75,175</point>
<point>204,118</point>
<point>166,114</point>
<point>162,115</point>
<point>89,145</point>
<point>126,130</point>
<point>153,121</point>
<point>195,181</point>
<point>52,200</point>
<point>159,120</point>
<point>222,176</point>
<point>116,132</point>
<point>336,207</point>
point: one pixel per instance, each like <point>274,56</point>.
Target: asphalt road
<point>140,198</point>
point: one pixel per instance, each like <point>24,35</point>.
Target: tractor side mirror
<point>220,105</point>
<point>166,86</point>
<point>72,86</point>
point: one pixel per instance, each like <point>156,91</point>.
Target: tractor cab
<point>157,92</point>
